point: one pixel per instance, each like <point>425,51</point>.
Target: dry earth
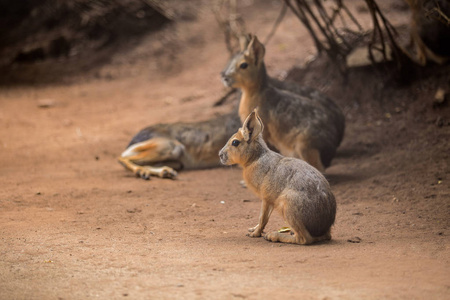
<point>75,225</point>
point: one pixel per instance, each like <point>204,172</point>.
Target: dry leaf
<point>284,229</point>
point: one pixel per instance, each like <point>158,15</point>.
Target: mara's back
<point>300,121</point>
<point>290,117</point>
<point>310,193</point>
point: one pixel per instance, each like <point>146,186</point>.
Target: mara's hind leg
<point>146,171</point>
<point>291,213</point>
<point>304,151</point>
<point>312,156</point>
<point>325,237</point>
<point>140,157</point>
<point>301,237</point>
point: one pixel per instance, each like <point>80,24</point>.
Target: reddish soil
<point>75,225</point>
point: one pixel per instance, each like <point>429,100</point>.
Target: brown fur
<point>429,30</point>
<point>163,149</point>
<point>304,125</point>
<point>293,187</point>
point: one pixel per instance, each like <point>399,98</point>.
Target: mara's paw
<point>254,234</point>
<point>167,172</point>
<point>143,173</point>
<point>272,236</point>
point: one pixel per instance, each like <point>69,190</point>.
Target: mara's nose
<point>225,78</point>
<point>223,157</point>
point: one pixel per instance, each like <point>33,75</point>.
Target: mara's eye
<point>235,143</point>
<point>244,65</point>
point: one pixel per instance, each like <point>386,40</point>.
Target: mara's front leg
<point>146,171</point>
<point>266,210</point>
<point>252,229</point>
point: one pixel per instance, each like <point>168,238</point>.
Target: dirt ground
<point>75,225</point>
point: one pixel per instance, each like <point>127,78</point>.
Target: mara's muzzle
<point>223,157</point>
<point>226,80</point>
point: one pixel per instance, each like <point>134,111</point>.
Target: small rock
<point>440,97</point>
<point>46,103</point>
<point>355,240</point>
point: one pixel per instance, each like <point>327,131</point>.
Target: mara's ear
<point>255,50</point>
<point>252,127</point>
<point>244,40</point>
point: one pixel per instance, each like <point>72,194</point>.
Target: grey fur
<point>289,111</point>
<point>298,190</point>
<point>200,140</point>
